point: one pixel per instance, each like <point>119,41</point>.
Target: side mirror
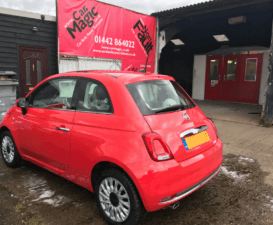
<point>22,104</point>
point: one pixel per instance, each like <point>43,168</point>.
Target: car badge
<point>186,116</point>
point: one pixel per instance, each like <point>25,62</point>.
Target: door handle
<point>62,129</point>
<point>219,77</point>
<point>193,131</point>
<point>224,77</point>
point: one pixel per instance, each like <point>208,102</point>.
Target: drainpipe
<point>267,114</point>
<point>58,43</point>
<point>157,54</point>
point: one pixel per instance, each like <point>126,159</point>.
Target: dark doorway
<point>33,67</point>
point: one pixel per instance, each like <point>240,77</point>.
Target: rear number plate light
<point>196,140</point>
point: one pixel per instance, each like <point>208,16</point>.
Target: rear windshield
<point>159,96</point>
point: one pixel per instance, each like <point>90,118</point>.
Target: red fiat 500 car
<point>137,141</point>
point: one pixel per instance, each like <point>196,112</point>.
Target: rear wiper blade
<point>171,108</point>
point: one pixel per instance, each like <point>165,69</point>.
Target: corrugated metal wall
<point>16,31</point>
<point>67,65</point>
<point>75,64</point>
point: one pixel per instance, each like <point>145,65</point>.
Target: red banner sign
<point>94,29</point>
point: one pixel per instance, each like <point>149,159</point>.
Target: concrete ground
<point>231,112</point>
<point>239,129</point>
<point>242,193</point>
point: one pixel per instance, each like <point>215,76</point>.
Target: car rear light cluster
<point>157,148</point>
<point>214,127</point>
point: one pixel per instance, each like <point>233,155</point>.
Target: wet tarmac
<point>237,195</point>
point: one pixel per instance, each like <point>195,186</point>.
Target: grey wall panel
<point>16,31</point>
<point>26,21</point>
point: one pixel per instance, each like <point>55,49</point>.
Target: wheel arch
<point>103,165</point>
<point>3,129</point>
<point>13,133</point>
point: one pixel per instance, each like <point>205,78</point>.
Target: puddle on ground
<point>40,192</point>
<point>233,174</point>
<point>270,204</point>
<point>241,159</point>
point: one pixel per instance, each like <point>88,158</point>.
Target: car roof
<point>125,77</point>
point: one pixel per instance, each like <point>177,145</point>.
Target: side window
<point>94,98</point>
<point>55,93</point>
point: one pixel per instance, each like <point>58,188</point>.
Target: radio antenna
<point>145,70</point>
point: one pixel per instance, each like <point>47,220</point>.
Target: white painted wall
<point>199,76</point>
<point>81,63</point>
<point>161,41</point>
<point>264,77</point>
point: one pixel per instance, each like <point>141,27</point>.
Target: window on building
<point>214,68</point>
<point>231,69</point>
<point>251,70</point>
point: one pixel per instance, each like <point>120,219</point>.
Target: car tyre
<point>117,198</point>
<point>9,151</point>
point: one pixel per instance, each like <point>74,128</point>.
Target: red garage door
<point>250,78</point>
<point>234,78</point>
<point>213,77</point>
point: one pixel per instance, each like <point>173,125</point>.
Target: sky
<point>47,7</point>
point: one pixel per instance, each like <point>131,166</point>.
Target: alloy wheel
<point>114,199</point>
<point>8,149</point>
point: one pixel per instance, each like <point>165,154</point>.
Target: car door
<point>94,122</point>
<point>45,130</point>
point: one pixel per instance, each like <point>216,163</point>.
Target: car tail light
<point>157,148</point>
<point>214,127</point>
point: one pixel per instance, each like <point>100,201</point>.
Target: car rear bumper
<point>188,191</point>
<point>158,180</point>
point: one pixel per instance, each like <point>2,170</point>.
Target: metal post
<point>267,115</point>
<point>58,47</point>
<point>157,47</point>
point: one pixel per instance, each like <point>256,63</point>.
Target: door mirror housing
<point>21,103</point>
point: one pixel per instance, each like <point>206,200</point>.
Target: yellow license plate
<point>196,140</point>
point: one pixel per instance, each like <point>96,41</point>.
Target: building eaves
<point>15,12</point>
<point>207,4</point>
<point>171,16</point>
<point>168,11</point>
